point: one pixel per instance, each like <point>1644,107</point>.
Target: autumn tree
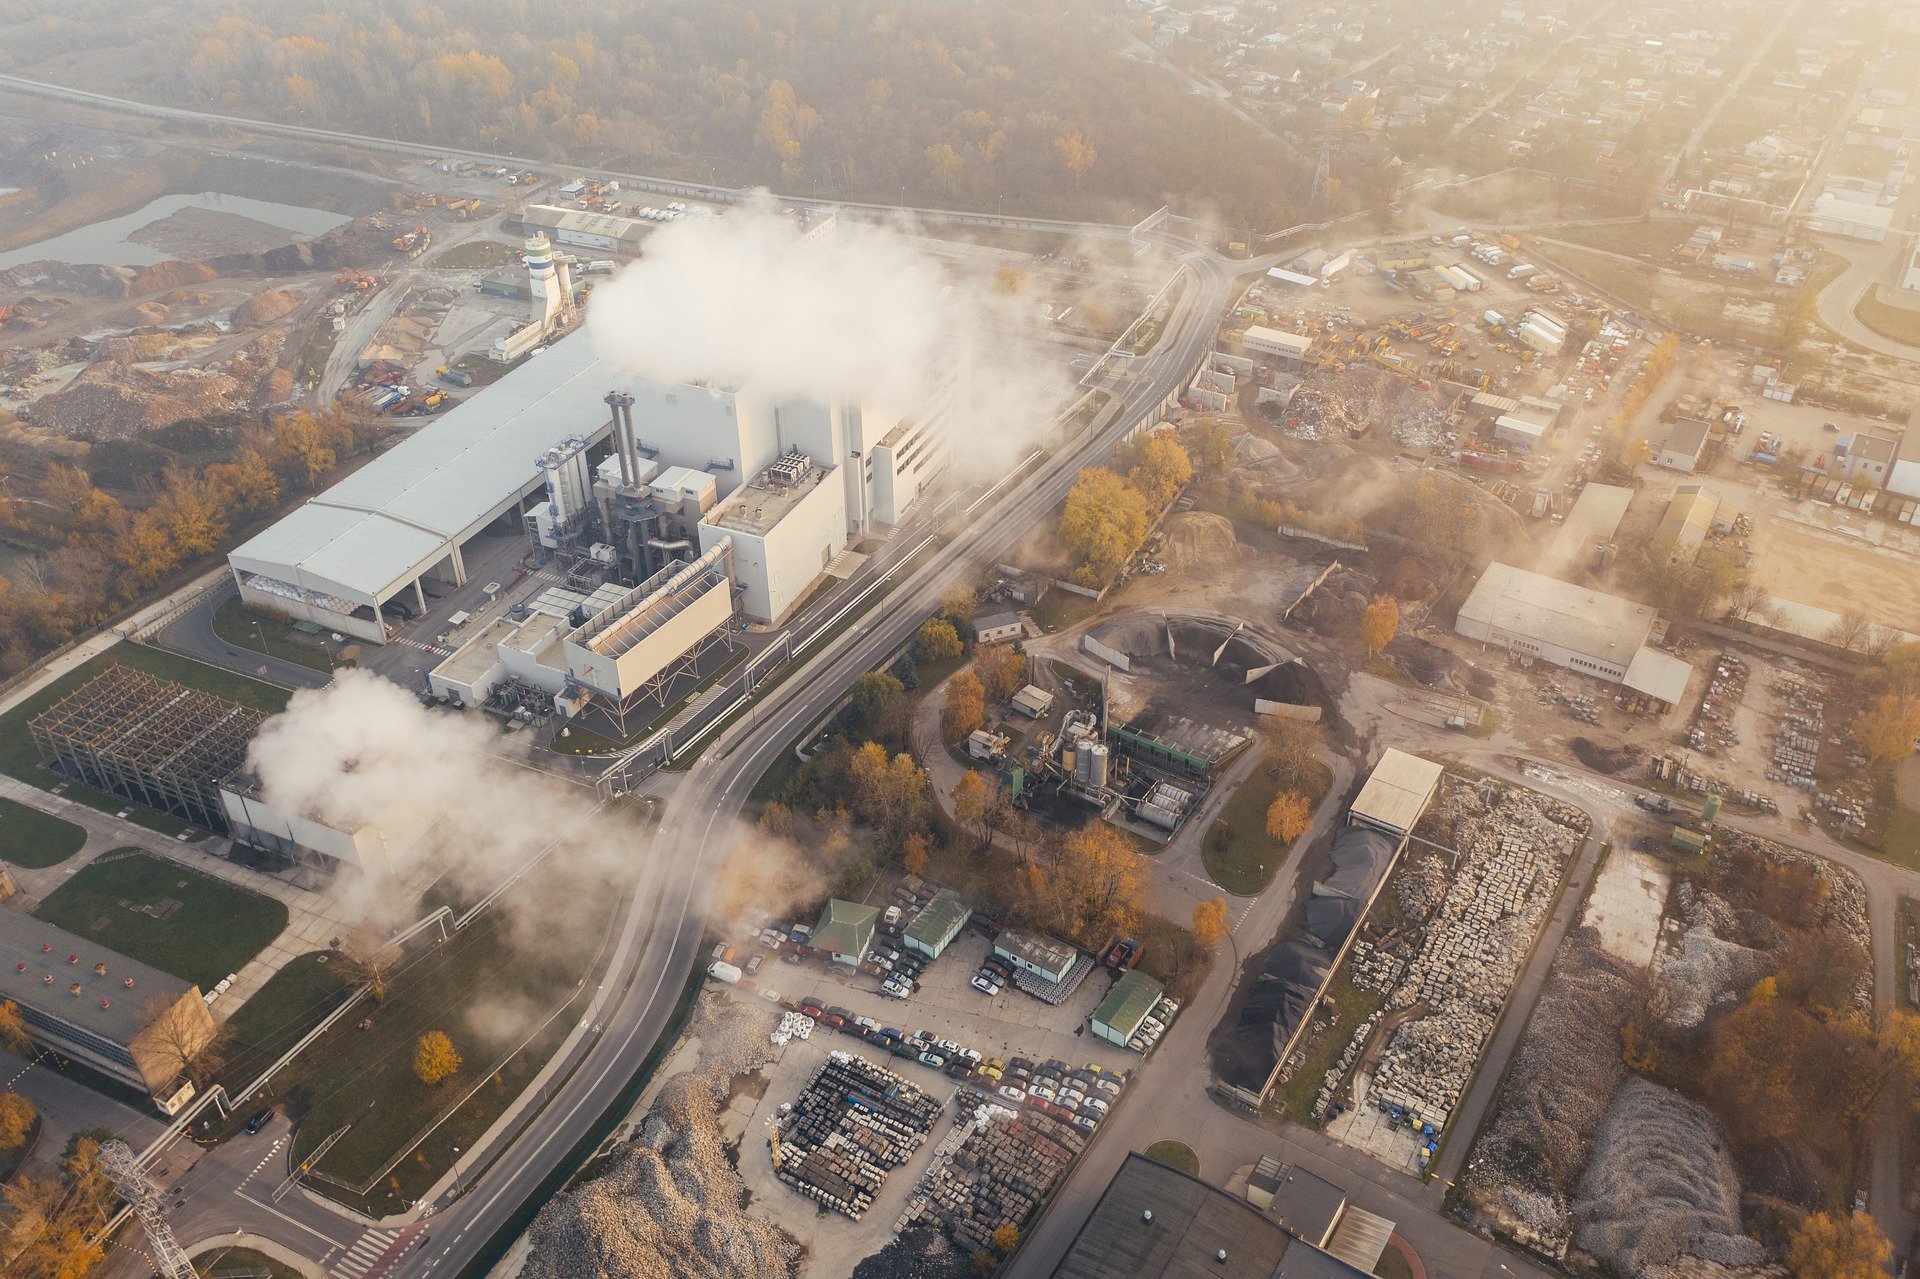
<point>434,1058</point>
<point>1843,1246</point>
<point>1002,671</point>
<point>17,1116</point>
<point>1887,728</point>
<point>184,1043</point>
<point>1288,816</point>
<point>1088,885</point>
<point>13,1030</point>
<point>966,707</point>
<point>913,854</point>
<point>1210,921</point>
<point>1006,1239</point>
<point>888,794</point>
<point>1379,623</point>
<point>970,800</point>
<point>944,164</point>
<point>1159,469</point>
<point>1104,520</point>
<point>1212,448</point>
<point>1077,152</point>
<point>53,1226</point>
<point>958,604</point>
<point>936,641</point>
<point>1293,750</point>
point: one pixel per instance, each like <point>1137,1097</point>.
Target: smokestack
<point>619,438</point>
<point>628,439</point>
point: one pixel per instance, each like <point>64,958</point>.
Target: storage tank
<point>1096,756</point>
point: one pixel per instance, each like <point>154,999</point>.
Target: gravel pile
<point>669,1203</point>
<point>921,1253</point>
<point>110,402</point>
<point>1524,1169</point>
<point>1660,1186</point>
<point>1707,969</point>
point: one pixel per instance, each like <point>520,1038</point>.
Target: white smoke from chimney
<point>863,313</point>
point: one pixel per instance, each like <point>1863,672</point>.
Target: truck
<point>724,972</point>
<point>599,266</point>
<point>1522,271</point>
<point>1494,320</point>
<point>454,377</point>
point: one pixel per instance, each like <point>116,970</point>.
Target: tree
<point>1002,671</point>
<point>1379,623</point>
<point>1293,750</point>
<point>879,705</point>
<point>970,800</point>
<point>1288,816</point>
<point>1006,1239</point>
<point>1088,885</point>
<point>1210,921</point>
<point>1212,448</point>
<point>944,163</point>
<point>1161,468</point>
<point>13,1030</point>
<point>1848,1246</point>
<point>936,641</point>
<point>434,1058</point>
<point>1849,632</point>
<point>889,794</point>
<point>958,603</point>
<point>1104,520</point>
<point>1887,728</point>
<point>966,707</point>
<point>1077,152</point>
<point>181,1037</point>
<point>913,855</point>
<point>16,1120</point>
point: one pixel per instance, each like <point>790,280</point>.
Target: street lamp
<point>456,1176</point>
<point>262,637</point>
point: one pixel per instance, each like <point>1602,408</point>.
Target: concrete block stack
<point>1000,1171</point>
<point>853,1123</point>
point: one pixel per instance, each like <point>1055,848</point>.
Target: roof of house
<point>1128,1003</point>
<point>940,918</point>
<point>845,928</point>
<point>31,950</point>
<point>1874,446</point>
<point>994,621</point>
<point>1308,1205</point>
<point>1397,790</point>
<point>1658,674</point>
<point>1156,1222</point>
<point>1686,438</point>
<point>1544,609</point>
<point>1033,948</point>
<point>1691,510</point>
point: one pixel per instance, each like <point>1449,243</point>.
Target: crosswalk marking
<point>410,642</point>
<point>366,1250</point>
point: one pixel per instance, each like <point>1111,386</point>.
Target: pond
<point>107,243</point>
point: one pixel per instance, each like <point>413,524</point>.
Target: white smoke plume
<point>866,313</point>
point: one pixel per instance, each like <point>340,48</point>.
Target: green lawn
<point>269,634</point>
<point>1638,239</point>
<point>1295,1097</point>
<point>241,1263</point>
<point>1240,856</point>
<point>291,1003</point>
<point>496,1002</point>
<point>31,838</point>
<point>1896,323</point>
<point>209,930</point>
<point>1060,609</point>
<point>1175,1154</point>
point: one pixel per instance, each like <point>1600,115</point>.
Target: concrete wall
<point>775,569</point>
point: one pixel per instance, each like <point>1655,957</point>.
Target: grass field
<point>1895,323</point>
<point>211,930</point>
<point>1637,239</point>
<point>291,1003</point>
<point>1240,856</point>
<point>476,255</point>
<point>1060,609</point>
<point>1352,1006</point>
<point>234,1263</point>
<point>1175,1154</point>
<point>506,1011</point>
<point>30,838</point>
<point>267,634</point>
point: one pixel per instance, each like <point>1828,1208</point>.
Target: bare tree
<point>181,1038</point>
<point>1850,632</point>
<point>371,958</point>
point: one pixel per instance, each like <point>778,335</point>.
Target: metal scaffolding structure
<point>149,741</point>
<point>168,1257</point>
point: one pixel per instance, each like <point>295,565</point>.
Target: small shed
<point>1396,794</point>
<point>845,931</point>
<point>1119,1015</point>
<point>1037,954</point>
<point>937,924</point>
<point>1033,701</point>
<point>1308,1205</point>
<point>999,628</point>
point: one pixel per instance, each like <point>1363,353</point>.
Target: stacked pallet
<point>852,1124</point>
<point>996,1176</point>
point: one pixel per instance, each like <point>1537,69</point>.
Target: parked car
<point>835,1017</point>
<point>983,985</point>
<point>811,1009</point>
<point>261,1118</point>
<point>866,1023</point>
<point>1012,1093</point>
<point>753,963</point>
<point>934,1059</point>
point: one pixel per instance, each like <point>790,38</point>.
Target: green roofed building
<point>937,924</point>
<point>1119,1015</point>
<point>845,931</point>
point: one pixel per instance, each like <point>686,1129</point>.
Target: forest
<point>1028,107</point>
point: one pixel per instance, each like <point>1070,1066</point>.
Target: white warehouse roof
<point>379,527</point>
<point>1511,602</point>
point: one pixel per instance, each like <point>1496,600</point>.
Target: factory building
<point>785,526</point>
<point>1689,518</point>
<point>1274,342</point>
<point>1535,617</point>
<point>587,230</point>
<point>115,1015</point>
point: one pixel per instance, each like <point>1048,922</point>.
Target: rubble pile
<point>264,307</point>
<point>111,402</point>
<point>920,1253</point>
<point>852,1124</point>
<point>1421,886</point>
<point>1514,846</point>
<point>1524,1169</point>
<point>668,1207</point>
<point>1198,539</point>
<point>991,1172</point>
<point>1660,1186</point>
<point>1705,969</point>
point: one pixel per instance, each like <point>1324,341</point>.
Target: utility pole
<point>168,1257</point>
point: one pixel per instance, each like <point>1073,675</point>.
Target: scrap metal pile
<point>1712,730</point>
<point>852,1124</point>
<point>1514,846</point>
<point>992,1171</point>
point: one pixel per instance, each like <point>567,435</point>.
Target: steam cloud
<point>863,312</point>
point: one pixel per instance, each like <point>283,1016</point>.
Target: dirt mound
<point>132,348</point>
<point>1602,759</point>
<point>1197,539</point>
<point>162,276</point>
<point>109,401</point>
<point>264,307</point>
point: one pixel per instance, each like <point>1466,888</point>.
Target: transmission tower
<point>168,1257</point>
<point>1323,166</point>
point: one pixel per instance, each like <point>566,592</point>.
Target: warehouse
<point>1396,793</point>
<point>1834,215</point>
<point>113,1014</point>
<point>1273,342</point>
<point>937,924</point>
<point>587,230</point>
<point>1120,1014</point>
<point>1682,448</point>
<point>1535,617</point>
<point>1591,523</point>
<point>1689,518</point>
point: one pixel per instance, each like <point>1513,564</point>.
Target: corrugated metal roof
<point>1397,790</point>
<point>939,919</point>
<point>22,938</point>
<point>1513,602</point>
<point>375,527</point>
<point>1129,1002</point>
<point>1658,674</point>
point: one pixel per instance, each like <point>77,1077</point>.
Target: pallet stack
<point>996,1177</point>
<point>852,1124</point>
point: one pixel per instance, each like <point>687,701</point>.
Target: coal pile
<point>997,1174</point>
<point>852,1124</point>
<point>921,1253</point>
